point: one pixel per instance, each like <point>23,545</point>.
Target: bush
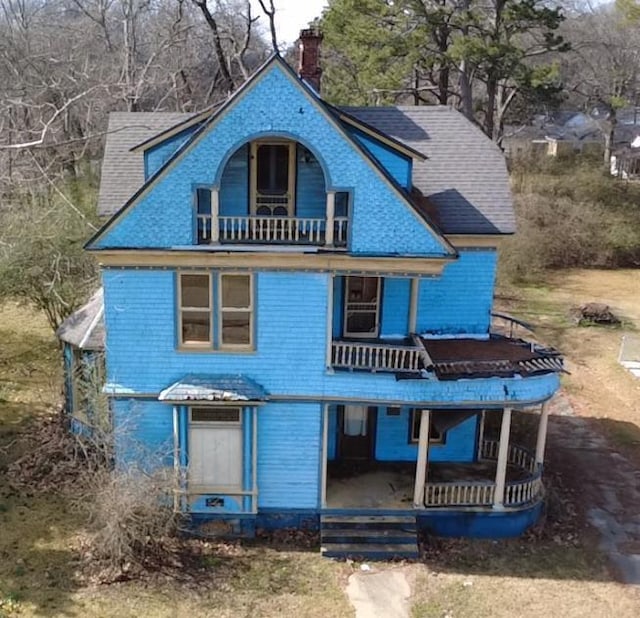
<point>132,515</point>
<point>570,214</point>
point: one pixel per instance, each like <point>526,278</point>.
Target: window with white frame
<point>232,297</point>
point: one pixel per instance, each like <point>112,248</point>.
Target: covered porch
<point>501,475</point>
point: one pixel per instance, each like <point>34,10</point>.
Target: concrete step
<point>370,551</point>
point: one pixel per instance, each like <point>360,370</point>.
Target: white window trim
<point>238,409</point>
<point>197,345</point>
<point>253,172</point>
<point>345,322</point>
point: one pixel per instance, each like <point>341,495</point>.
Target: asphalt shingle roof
<point>214,388</point>
<point>464,179</point>
<point>123,170</point>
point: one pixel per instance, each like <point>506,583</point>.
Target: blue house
<point>297,317</point>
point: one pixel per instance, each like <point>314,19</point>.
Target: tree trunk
<point>608,140</point>
<point>489,119</point>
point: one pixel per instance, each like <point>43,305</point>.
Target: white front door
<point>215,449</point>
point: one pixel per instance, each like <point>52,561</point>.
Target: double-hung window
<point>215,311</point>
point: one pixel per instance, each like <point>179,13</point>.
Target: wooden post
<point>330,300</point>
<point>215,212</point>
<point>176,459</point>
<point>323,454</point>
<point>254,460</point>
<point>503,452</point>
<point>542,434</point>
<point>423,458</point>
<point>413,305</point>
<point>481,434</point>
<point>331,213</point>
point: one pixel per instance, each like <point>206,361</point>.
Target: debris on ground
<point>594,313</point>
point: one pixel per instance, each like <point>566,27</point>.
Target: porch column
<point>176,458</point>
<point>323,454</point>
<point>542,434</point>
<point>413,305</point>
<point>254,459</point>
<point>503,452</point>
<point>423,457</point>
<point>331,213</point>
<point>215,212</point>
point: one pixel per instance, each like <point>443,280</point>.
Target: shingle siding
<point>163,216</point>
<point>289,453</point>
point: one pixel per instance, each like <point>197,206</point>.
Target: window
<point>215,414</point>
<point>362,305</point>
<point>272,178</point>
<point>195,309</point>
<point>435,436</point>
<point>203,210</point>
<point>233,295</point>
<point>236,310</point>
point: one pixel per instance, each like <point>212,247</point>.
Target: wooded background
<point>65,64</point>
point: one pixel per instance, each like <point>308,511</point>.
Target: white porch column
<point>215,212</point>
<point>254,459</point>
<point>503,451</point>
<point>331,213</point>
<point>323,454</point>
<point>176,459</point>
<point>423,458</point>
<point>413,305</point>
<point>542,434</point>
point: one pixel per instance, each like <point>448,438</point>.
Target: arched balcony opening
<point>273,191</point>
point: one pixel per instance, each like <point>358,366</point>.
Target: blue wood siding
<point>311,195</point>
<point>234,184</point>
<point>460,300</point>
<point>399,166</point>
<point>392,440</point>
<point>143,433</point>
<point>156,157</point>
<point>395,307</point>
<point>381,221</point>
<point>140,315</point>
<point>289,450</point>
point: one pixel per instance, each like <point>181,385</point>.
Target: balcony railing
<point>482,493</point>
<point>271,229</point>
<point>375,356</point>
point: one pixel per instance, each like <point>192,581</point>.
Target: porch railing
<point>375,356</point>
<point>482,493</point>
<point>271,228</point>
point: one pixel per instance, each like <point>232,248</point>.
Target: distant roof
<point>123,170</point>
<point>465,177</point>
<point>84,328</point>
<point>223,388</point>
<point>464,180</point>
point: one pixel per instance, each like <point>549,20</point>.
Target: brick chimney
<point>309,57</point>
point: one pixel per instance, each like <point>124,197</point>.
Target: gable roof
<point>465,178</point>
<point>462,187</point>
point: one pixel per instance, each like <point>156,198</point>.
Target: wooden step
<point>405,522</point>
<point>368,535</point>
<point>370,551</point>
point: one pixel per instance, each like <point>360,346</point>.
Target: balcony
<point>448,359</point>
<point>268,229</point>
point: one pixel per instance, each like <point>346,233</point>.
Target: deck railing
<point>482,493</point>
<point>271,229</point>
<point>375,356</point>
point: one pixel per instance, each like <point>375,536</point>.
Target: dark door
<point>356,429</point>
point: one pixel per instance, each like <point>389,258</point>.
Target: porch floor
<point>380,485</point>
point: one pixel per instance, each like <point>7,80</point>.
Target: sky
<point>291,17</point>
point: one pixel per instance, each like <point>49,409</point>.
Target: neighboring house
<point>625,159</point>
<point>297,313</point>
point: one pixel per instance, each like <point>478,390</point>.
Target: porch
<point>390,486</point>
